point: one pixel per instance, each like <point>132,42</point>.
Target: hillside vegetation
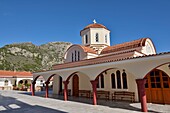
<point>29,57</point>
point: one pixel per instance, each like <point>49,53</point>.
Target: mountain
<point>29,57</point>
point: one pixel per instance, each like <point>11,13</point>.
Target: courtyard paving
<point>23,102</point>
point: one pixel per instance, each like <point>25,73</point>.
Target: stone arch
<point>78,81</point>
<point>76,72</point>
<point>49,78</point>
<point>34,87</point>
<point>35,79</point>
<point>27,81</point>
<point>168,63</point>
<point>103,72</point>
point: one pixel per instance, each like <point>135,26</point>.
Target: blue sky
<point>43,21</point>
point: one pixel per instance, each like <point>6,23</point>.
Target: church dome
<point>95,25</point>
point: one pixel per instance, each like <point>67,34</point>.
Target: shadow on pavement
<point>12,105</point>
<point>112,104</point>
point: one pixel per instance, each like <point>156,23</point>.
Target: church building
<point>129,71</point>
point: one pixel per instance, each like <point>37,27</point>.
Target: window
<point>166,80</point>
<point>105,38</point>
<point>113,80</point>
<point>97,37</point>
<point>100,83</point>
<point>102,80</point>
<point>124,77</point>
<point>78,55</point>
<point>118,79</point>
<point>157,79</point>
<point>75,56</point>
<point>86,39</point>
<point>72,57</point>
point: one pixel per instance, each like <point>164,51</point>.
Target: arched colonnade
<point>136,70</point>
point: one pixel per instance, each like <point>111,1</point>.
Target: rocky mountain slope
<point>29,57</point>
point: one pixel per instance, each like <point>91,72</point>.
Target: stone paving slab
<point>21,102</point>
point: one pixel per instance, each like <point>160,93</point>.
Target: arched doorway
<point>75,85</point>
<point>158,87</point>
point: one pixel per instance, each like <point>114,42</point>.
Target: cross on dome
<point>94,21</point>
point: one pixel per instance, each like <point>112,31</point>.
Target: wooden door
<point>75,85</point>
<point>166,88</point>
<point>158,87</point>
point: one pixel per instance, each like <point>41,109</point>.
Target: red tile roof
<point>103,59</point>
<point>85,49</point>
<point>95,25</point>
<point>88,50</point>
<point>124,46</point>
<point>97,60</point>
<point>4,74</point>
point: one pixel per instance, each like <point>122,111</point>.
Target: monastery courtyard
<point>23,102</point>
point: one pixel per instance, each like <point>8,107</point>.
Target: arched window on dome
<point>124,77</point>
<point>105,38</point>
<point>75,57</point>
<point>72,57</point>
<point>97,37</point>
<point>78,55</point>
<point>86,39</point>
<point>118,79</point>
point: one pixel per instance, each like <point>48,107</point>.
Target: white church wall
<point>55,84</point>
<point>148,48</point>
<point>72,49</point>
<point>165,68</point>
<point>90,55</point>
<point>70,85</point>
<point>101,34</point>
<point>131,82</point>
<point>7,86</point>
<point>84,82</point>
<point>83,35</point>
<point>132,86</point>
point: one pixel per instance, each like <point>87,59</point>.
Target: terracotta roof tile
<point>85,49</point>
<point>88,50</point>
<point>103,59</point>
<point>99,60</point>
<point>4,74</point>
<point>96,25</point>
<point>124,46</point>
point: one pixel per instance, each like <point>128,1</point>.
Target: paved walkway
<point>22,102</point>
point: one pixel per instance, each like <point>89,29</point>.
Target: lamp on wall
<point>105,72</point>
